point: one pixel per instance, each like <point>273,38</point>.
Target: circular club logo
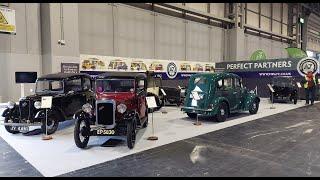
<point>172,70</point>
<point>307,64</point>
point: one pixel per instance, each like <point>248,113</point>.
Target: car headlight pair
<point>11,104</point>
<point>121,108</point>
<point>87,108</point>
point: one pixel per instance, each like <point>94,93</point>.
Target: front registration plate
<point>20,128</point>
<point>106,132</point>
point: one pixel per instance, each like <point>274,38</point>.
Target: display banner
<point>7,20</point>
<point>271,67</point>
<point>167,69</point>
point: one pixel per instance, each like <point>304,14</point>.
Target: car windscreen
<point>115,85</point>
<point>49,86</point>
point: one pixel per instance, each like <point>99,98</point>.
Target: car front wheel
<point>222,112</point>
<point>51,125</point>
<point>131,134</point>
<point>8,128</point>
<point>81,133</point>
<point>253,109</point>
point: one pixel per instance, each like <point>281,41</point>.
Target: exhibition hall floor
<point>60,156</point>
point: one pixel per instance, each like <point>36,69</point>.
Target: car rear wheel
<point>222,112</point>
<point>52,124</point>
<point>8,128</point>
<point>81,133</point>
<point>253,109</point>
<point>131,134</point>
<point>192,115</point>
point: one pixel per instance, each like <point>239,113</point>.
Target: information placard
<point>46,102</point>
<point>151,102</point>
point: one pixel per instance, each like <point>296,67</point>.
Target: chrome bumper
<point>21,124</point>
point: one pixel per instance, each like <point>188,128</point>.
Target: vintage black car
<point>120,108</point>
<point>69,92</point>
<point>173,95</point>
<point>285,89</point>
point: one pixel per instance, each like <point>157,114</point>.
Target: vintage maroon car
<point>119,109</point>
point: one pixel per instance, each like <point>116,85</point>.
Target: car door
<point>237,93</point>
<point>74,98</point>
<point>228,92</point>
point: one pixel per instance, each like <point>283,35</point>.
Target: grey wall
<point>20,52</point>
<point>119,30</point>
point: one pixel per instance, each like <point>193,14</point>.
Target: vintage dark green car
<point>217,95</point>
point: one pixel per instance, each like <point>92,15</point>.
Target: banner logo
<point>172,70</point>
<point>307,64</point>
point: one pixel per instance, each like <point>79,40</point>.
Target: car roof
<point>62,76</point>
<point>121,74</point>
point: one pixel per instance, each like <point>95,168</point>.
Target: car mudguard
<point>216,103</point>
<point>129,115</point>
<point>41,114</point>
<point>6,112</point>
<point>249,100</point>
<point>80,114</point>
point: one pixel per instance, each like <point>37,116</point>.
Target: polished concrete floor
<point>283,144</point>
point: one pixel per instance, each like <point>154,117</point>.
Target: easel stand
<point>46,136</point>
<point>272,107</point>
<point>153,137</point>
<point>197,123</point>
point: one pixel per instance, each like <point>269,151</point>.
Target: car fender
<point>80,114</point>
<point>41,114</point>
<point>7,112</point>
<point>217,101</point>
<point>249,100</point>
<point>129,115</point>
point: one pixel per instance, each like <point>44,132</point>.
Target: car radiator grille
<point>24,108</point>
<point>105,115</point>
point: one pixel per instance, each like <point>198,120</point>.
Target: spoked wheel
<point>8,128</point>
<point>222,112</point>
<point>253,109</point>
<point>81,133</point>
<point>131,134</point>
<point>52,124</point>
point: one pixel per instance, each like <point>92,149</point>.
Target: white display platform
<point>60,155</point>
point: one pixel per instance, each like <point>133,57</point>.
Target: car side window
<point>237,83</point>
<point>86,84</point>
<point>141,85</point>
<point>73,85</point>
<point>227,83</point>
<point>220,84</point>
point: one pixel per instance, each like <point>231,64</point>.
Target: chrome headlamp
<point>121,108</point>
<point>11,104</point>
<point>37,104</point>
<point>87,108</point>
